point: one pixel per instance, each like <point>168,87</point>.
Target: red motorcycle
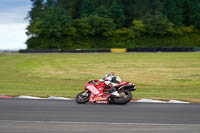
<point>99,92</point>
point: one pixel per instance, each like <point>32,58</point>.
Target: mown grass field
<point>156,75</point>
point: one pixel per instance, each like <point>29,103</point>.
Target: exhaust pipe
<point>130,87</point>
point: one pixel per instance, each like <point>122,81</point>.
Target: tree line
<point>70,24</point>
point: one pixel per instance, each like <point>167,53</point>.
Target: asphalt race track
<point>56,116</point>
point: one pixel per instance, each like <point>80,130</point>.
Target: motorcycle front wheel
<point>126,97</point>
<point>83,97</point>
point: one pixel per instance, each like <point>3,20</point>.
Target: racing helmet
<point>109,74</point>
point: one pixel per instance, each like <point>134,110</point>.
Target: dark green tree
<point>117,13</point>
<point>72,6</point>
<point>186,12</point>
<point>52,29</point>
<point>36,11</point>
<point>87,7</point>
<point>50,4</point>
<point>173,12</point>
<point>35,16</point>
<point>84,29</point>
<point>102,12</point>
<point>95,26</point>
<point>135,9</point>
<point>56,22</point>
<point>156,6</point>
<point>112,23</point>
<point>157,24</point>
<point>102,26</point>
<point>195,13</point>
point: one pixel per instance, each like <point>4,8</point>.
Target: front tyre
<point>125,97</point>
<point>83,97</point>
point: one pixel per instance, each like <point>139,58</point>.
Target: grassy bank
<point>156,75</point>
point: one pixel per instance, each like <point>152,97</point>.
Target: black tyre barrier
<point>197,49</point>
<point>184,49</point>
<point>65,51</point>
<point>86,51</point>
<point>142,50</point>
<point>40,51</point>
<point>167,49</point>
<point>164,49</point>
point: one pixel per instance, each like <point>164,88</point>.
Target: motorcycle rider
<point>111,80</point>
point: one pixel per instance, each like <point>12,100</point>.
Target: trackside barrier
<point>65,51</point>
<point>40,51</point>
<point>118,50</point>
<point>183,49</point>
<point>142,50</point>
<point>197,49</point>
<point>86,51</point>
<point>113,50</point>
<point>167,49</point>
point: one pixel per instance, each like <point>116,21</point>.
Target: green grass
<point>156,75</point>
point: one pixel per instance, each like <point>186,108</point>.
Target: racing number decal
<point>93,90</point>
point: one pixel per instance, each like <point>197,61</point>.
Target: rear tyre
<point>83,97</point>
<point>123,100</point>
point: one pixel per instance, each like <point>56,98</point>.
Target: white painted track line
<point>97,123</point>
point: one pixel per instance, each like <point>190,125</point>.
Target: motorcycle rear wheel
<point>123,100</point>
<point>82,98</point>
